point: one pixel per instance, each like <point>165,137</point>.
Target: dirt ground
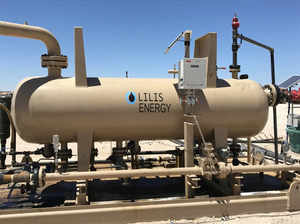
<point>260,218</point>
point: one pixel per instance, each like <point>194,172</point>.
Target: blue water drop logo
<point>130,97</point>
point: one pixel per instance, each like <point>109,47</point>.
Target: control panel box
<point>193,73</point>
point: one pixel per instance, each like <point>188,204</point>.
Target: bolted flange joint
<point>275,95</point>
<point>58,62</point>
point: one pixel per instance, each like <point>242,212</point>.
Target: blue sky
<point>132,35</point>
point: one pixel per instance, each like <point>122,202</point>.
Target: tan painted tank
<point>85,109</point>
<point>120,108</point>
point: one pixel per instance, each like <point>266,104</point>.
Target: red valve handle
<point>235,23</point>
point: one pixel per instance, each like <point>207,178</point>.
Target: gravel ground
<point>259,218</point>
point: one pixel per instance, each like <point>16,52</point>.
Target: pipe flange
<point>60,61</point>
<point>271,92</point>
<point>38,177</point>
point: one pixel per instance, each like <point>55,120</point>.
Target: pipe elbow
<point>53,60</point>
<point>31,32</point>
<point>48,39</point>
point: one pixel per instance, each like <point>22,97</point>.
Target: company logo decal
<point>148,102</point>
<point>131,97</point>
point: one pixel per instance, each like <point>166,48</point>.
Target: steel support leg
<point>84,143</point>
<point>188,155</point>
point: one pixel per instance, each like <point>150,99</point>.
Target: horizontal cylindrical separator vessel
<point>138,109</point>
